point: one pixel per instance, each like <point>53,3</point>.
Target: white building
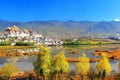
<point>29,36</point>
<point>14,31</point>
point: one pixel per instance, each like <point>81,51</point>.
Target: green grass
<point>89,42</point>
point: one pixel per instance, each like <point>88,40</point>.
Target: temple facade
<point>28,36</point>
<point>14,31</point>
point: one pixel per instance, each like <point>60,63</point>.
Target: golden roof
<point>25,31</point>
<point>13,28</point>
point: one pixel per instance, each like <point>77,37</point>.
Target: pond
<point>26,62</point>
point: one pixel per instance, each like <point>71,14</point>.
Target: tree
<point>82,66</point>
<point>60,65</point>
<point>103,66</point>
<point>8,70</point>
<point>118,65</point>
<point>43,64</point>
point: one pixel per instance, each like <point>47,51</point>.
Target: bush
<point>5,43</point>
<point>24,44</point>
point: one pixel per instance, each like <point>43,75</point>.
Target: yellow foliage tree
<point>60,65</point>
<point>103,65</point>
<point>82,66</point>
<point>118,65</point>
<point>8,70</point>
<point>43,63</point>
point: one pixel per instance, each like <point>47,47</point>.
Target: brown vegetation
<point>111,54</point>
<point>73,51</point>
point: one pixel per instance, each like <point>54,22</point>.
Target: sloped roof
<point>13,28</point>
<point>25,31</point>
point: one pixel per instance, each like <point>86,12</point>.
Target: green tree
<point>82,66</point>
<point>8,70</point>
<point>103,66</point>
<point>24,44</point>
<point>43,63</point>
<point>60,65</point>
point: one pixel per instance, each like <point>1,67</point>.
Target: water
<point>26,62</point>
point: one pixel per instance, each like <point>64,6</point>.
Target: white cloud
<point>116,19</point>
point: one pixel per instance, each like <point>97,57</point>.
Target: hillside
<point>69,28</point>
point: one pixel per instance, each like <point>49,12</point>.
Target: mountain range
<point>55,28</point>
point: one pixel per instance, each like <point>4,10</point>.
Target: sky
<point>63,10</point>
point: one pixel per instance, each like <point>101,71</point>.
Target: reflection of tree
<point>8,70</point>
<point>25,57</point>
<point>73,51</point>
<point>88,47</point>
<point>82,47</point>
<point>13,59</point>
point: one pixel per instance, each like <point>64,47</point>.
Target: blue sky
<point>78,10</point>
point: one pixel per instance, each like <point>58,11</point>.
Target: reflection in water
<point>73,51</point>
<point>89,47</point>
<point>26,62</point>
<point>12,59</point>
<point>25,57</point>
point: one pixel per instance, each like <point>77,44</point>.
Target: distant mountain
<point>69,28</point>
